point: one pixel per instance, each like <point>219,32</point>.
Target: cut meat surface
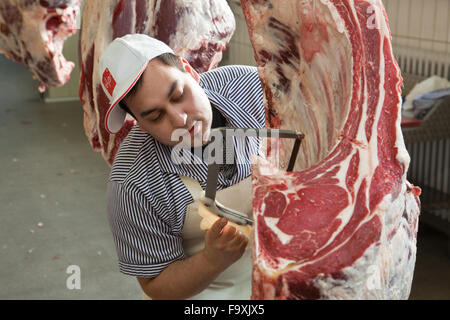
<point>343,225</point>
<point>196,30</point>
<point>32,32</point>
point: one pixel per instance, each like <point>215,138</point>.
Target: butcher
<point>152,200</point>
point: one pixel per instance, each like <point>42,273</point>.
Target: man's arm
<point>185,278</point>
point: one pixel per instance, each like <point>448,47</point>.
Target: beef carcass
<point>197,30</point>
<point>32,32</point>
<point>343,225</point>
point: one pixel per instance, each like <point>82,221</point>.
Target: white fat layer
<point>340,24</point>
<point>272,224</point>
<point>186,40</point>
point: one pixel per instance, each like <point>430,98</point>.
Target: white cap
<point>121,65</point>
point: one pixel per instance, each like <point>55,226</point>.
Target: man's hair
<point>168,59</point>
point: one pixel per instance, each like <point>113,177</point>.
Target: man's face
<point>167,100</point>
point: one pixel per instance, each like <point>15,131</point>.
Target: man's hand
<point>224,245</point>
<point>184,278</point>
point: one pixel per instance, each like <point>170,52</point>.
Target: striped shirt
<point>146,199</point>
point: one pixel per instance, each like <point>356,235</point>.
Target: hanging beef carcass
<point>32,32</point>
<point>343,225</point>
<point>197,30</point>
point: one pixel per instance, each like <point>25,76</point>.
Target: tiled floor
<point>52,206</point>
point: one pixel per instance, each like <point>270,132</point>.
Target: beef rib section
<point>344,224</point>
<point>32,32</point>
<point>197,30</point>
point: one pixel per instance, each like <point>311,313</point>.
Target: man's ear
<point>189,69</point>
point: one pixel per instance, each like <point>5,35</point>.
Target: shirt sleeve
<point>245,90</point>
<point>145,244</point>
<point>215,79</point>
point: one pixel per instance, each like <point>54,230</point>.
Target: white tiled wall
<point>423,24</point>
<point>421,35</point>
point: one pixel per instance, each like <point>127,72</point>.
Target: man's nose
<point>178,116</point>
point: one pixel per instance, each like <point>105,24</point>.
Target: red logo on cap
<point>108,81</point>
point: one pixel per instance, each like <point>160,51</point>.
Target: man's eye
<point>179,98</point>
<point>156,116</point>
